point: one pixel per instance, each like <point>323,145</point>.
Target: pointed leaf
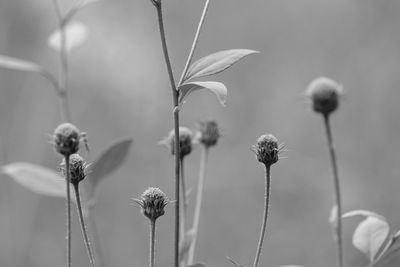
<point>216,62</point>
<point>75,32</point>
<point>36,178</point>
<point>219,89</point>
<point>23,65</point>
<point>78,5</point>
<point>370,235</point>
<point>109,161</point>
<point>365,213</point>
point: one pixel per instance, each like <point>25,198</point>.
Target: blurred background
<point>119,87</point>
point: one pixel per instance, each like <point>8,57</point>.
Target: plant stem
<point>152,242</point>
<point>63,70</point>
<point>68,209</point>
<point>266,207</point>
<point>199,196</point>
<point>95,235</point>
<point>195,41</point>
<point>184,201</point>
<point>83,227</point>
<point>337,190</point>
<point>175,95</point>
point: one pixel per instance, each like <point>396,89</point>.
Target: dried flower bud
<point>208,133</point>
<point>66,139</point>
<point>267,149</point>
<point>325,94</point>
<point>152,203</point>
<point>77,168</point>
<point>185,141</point>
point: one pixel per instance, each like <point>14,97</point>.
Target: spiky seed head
<point>325,94</point>
<point>267,149</point>
<point>152,203</point>
<point>66,139</point>
<point>208,133</point>
<point>77,168</point>
<point>185,141</point>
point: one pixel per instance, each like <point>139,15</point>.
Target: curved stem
<point>197,209</point>
<point>175,96</point>
<point>152,242</point>
<point>95,235</point>
<point>266,207</point>
<point>337,191</point>
<point>195,41</point>
<point>83,227</point>
<point>68,209</point>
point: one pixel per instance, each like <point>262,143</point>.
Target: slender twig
<point>83,227</point>
<point>95,235</point>
<point>337,190</point>
<point>195,41</point>
<point>266,207</point>
<point>68,209</point>
<point>175,95</point>
<point>199,196</point>
<point>152,242</point>
<point>184,200</point>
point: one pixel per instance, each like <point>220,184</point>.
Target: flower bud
<point>77,168</point>
<point>152,203</point>
<point>208,133</point>
<point>324,94</point>
<point>185,141</point>
<point>66,139</point>
<point>267,149</point>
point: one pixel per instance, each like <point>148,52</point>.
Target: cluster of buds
<point>325,94</point>
<point>77,168</point>
<point>152,203</point>
<point>267,149</point>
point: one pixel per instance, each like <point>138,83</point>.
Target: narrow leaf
<point>36,178</point>
<point>23,65</point>
<point>77,6</point>
<point>216,62</point>
<point>370,235</point>
<point>185,244</point>
<point>365,213</point>
<point>109,161</point>
<point>75,32</point>
<point>219,89</point>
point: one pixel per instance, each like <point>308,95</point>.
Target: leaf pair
<point>210,65</point>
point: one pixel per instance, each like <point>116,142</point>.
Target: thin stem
<point>175,96</point>
<point>184,201</point>
<point>83,227</point>
<point>266,207</point>
<point>197,209</point>
<point>152,242</point>
<point>195,41</point>
<point>68,210</point>
<point>337,191</point>
<point>95,235</point>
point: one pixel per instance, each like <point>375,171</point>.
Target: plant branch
<point>152,242</point>
<point>199,196</point>
<point>266,207</point>
<point>95,236</point>
<point>195,41</point>
<point>83,227</point>
<point>68,209</point>
<point>337,191</point>
<point>184,200</point>
<point>175,95</point>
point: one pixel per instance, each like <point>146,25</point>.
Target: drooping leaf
<point>36,178</point>
<point>216,62</point>
<point>370,235</point>
<point>108,161</point>
<point>365,213</point>
<point>75,32</point>
<point>184,246</point>
<point>219,89</point>
<point>78,5</point>
<point>23,65</point>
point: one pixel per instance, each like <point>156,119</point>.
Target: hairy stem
<point>152,242</point>
<point>195,41</point>
<point>68,209</point>
<point>337,191</point>
<point>95,234</point>
<point>175,95</point>
<point>197,209</point>
<point>266,207</point>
